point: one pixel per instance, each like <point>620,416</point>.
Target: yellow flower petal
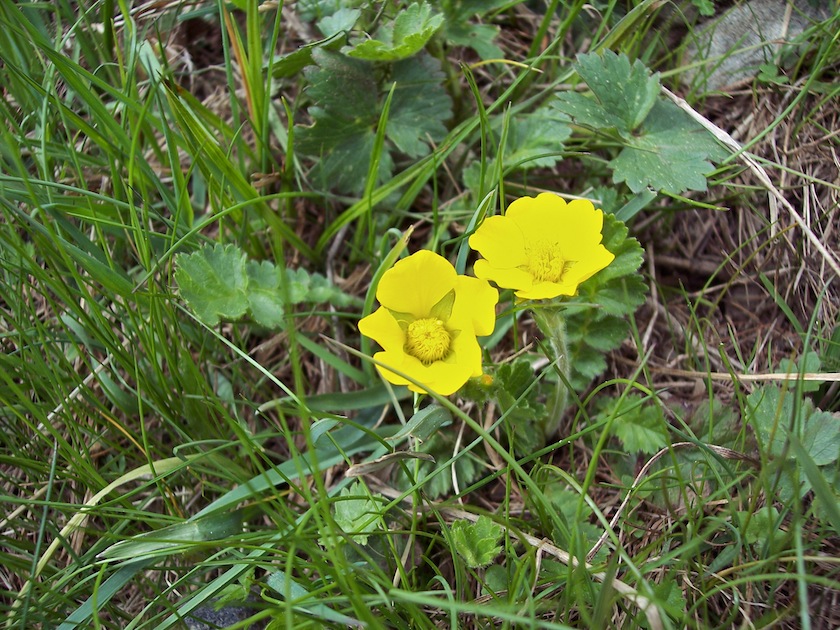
<point>496,240</point>
<point>383,329</point>
<point>583,224</point>
<point>538,217</point>
<point>475,302</point>
<point>441,377</point>
<point>507,278</point>
<point>466,348</point>
<point>416,283</point>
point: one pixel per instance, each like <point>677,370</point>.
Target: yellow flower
<point>428,322</point>
<point>542,247</point>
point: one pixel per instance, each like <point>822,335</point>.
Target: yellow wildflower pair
<point>430,317</point>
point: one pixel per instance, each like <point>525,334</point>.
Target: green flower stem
<point>551,322</point>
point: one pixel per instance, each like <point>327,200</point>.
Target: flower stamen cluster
<point>428,340</point>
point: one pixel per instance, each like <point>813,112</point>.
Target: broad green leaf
<point>264,297</point>
<point>479,37</point>
<point>404,37</point>
<point>566,503</point>
<point>419,107</point>
<point>476,542</point>
<point>292,63</point>
<point>513,387</point>
<point>623,93</point>
<point>672,153</point>
<point>341,21</point>
<point>424,424</point>
<point>346,110</point>
<point>534,140</point>
<point>218,283</point>
<point>461,29</point>
<point>822,437</point>
<point>825,483</point>
<point>355,513</point>
<point>772,414</point>
<point>176,538</point>
<point>629,254</point>
<point>344,118</point>
<point>436,476</point>
<point>309,10</point>
<point>608,334</point>
<point>809,362</point>
<point>322,291</point>
<point>213,282</point>
<point>761,525</point>
<point>639,426</point>
<point>596,316</point>
<point>298,285</point>
<point>706,8</point>
<point>586,363</point>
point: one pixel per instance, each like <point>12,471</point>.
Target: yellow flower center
<point>428,340</point>
<point>546,262</point>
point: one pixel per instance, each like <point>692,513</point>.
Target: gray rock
<point>732,48</point>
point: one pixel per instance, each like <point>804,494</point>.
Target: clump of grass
<point>154,464</point>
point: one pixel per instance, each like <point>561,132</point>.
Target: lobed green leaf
<point>476,542</point>
<point>405,36</point>
<point>624,93</point>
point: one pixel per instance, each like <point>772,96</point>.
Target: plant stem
<point>551,322</point>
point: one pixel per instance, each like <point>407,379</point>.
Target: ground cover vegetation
<point>328,314</point>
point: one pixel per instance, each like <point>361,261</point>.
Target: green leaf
<point>596,316</point>
<point>424,424</point>
<point>355,513</point>
<point>534,140</point>
<point>479,37</point>
<point>309,10</point>
<point>441,446</point>
<point>477,543</point>
<point>219,284</point>
<point>761,525</point>
<point>624,93</point>
<point>213,283</point>
<point>177,538</point>
<point>629,254</point>
<point>807,363</point>
<point>778,423</point>
<point>513,387</point>
<point>461,28</point>
<point>405,36</point>
<point>822,437</point>
<point>566,503</point>
<point>640,426</point>
<point>264,298</point>
<point>419,107</point>
<point>706,8</point>
<point>345,114</point>
<point>672,153</point>
<point>298,282</point>
<point>770,414</point>
<point>341,21</point>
